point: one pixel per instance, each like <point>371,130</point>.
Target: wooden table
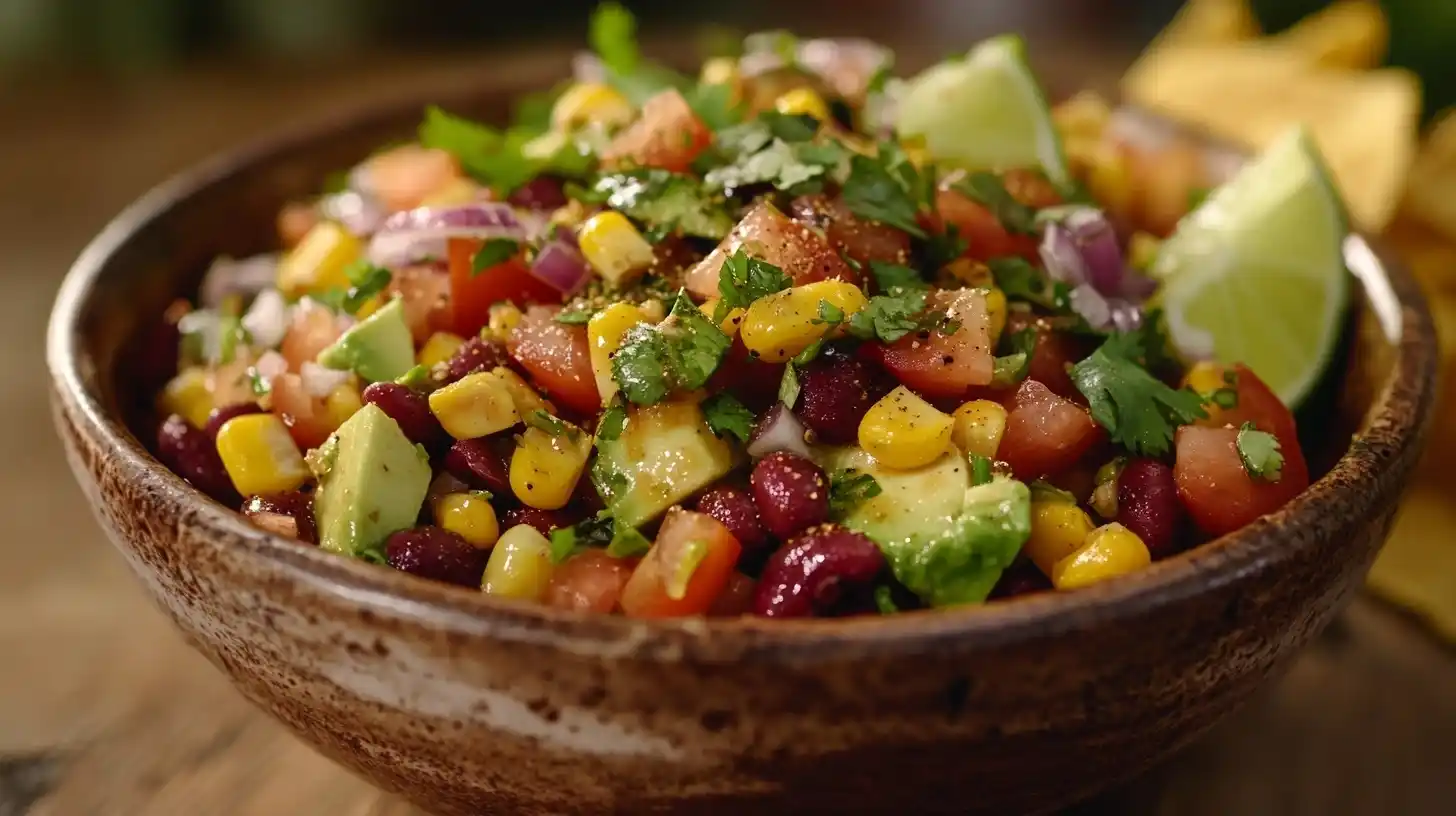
<point>103,709</point>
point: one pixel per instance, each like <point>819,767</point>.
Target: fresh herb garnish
<point>578,316</point>
<point>744,279</point>
<point>418,378</point>
<point>627,542</point>
<point>726,415</point>
<point>1019,280</point>
<point>894,276</point>
<point>848,489</point>
<point>1139,412</point>
<point>681,353</point>
<point>613,36</point>
<point>230,334</point>
<point>989,191</point>
<point>780,164</point>
<point>593,531</point>
<point>885,600</point>
<point>889,317</point>
<point>259,386</point>
<point>1259,451</point>
<point>544,421</point>
<point>365,281</point>
<point>980,470</point>
<point>493,252</point>
<point>503,160</point>
<point>1012,367</point>
<point>612,423</point>
<point>789,386</point>
<point>888,188</point>
<point>665,201</point>
<point>716,105</point>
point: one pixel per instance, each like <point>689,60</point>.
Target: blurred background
<point>104,710</point>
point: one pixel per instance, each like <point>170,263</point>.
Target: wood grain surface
<point>104,710</point>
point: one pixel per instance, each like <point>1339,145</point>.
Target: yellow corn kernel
<point>1084,116</point>
<point>570,215</point>
<point>1109,178</point>
<point>439,349</point>
<point>996,311</point>
<point>477,405</point>
<point>1109,551</point>
<point>545,466</point>
<point>319,261</point>
<point>519,566</point>
<point>604,334</point>
<point>470,516</point>
<point>1142,250</point>
<point>260,456</point>
<point>369,307</point>
<point>1206,377</point>
<point>1058,529</point>
<point>502,319</point>
<point>591,103</point>
<point>614,248</point>
<point>526,399</point>
<point>457,191</point>
<point>343,403</point>
<point>904,431</point>
<point>979,426</point>
<point>188,394</point>
<point>972,273</point>
<point>785,323</point>
<point>654,309</point>
<point>803,102</point>
<point>917,153</point>
<point>719,71</point>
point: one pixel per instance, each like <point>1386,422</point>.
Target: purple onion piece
<point>1091,305</point>
<point>359,212</point>
<point>413,235</point>
<point>561,266</point>
<point>1060,256</point>
<point>778,430</point>
<point>1096,242</point>
<point>237,276</point>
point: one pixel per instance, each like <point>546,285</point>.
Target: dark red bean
<point>1147,504</point>
<point>790,492</point>
<point>289,514</point>
<point>475,355</point>
<point>437,554</point>
<point>540,193</point>
<point>543,520</point>
<point>220,416</point>
<point>192,454</point>
<point>409,408</point>
<point>809,574</point>
<point>734,509</point>
<point>154,360</point>
<point>484,463</point>
<point>836,390</point>
<point>1022,578</point>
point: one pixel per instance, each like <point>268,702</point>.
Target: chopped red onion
<point>1079,247</point>
<point>237,276</point>
<point>1091,305</point>
<point>560,265</point>
<point>320,382</point>
<point>267,319</point>
<point>413,235</point>
<point>359,212</point>
<point>847,65</point>
<point>778,430</point>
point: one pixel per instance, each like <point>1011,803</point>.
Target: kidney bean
<point>790,492</point>
<point>221,415</point>
<point>836,390</point>
<point>736,598</point>
<point>543,520</point>
<point>540,193</point>
<point>734,509</point>
<point>475,355</point>
<point>289,514</point>
<point>437,554</point>
<point>1022,578</point>
<point>409,408</point>
<point>483,463</point>
<point>809,574</point>
<point>191,453</point>
<point>1147,504</point>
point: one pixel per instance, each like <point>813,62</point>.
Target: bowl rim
<point>1395,426</point>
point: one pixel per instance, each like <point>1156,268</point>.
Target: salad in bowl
<point>795,338</point>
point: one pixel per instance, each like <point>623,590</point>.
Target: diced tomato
<point>591,581</point>
<point>1259,405</point>
<point>1045,434</point>
<point>1055,351</point>
<point>1218,492</point>
<point>755,382</point>
<point>403,177</point>
<point>737,597</point>
<point>801,253</point>
<point>472,295</point>
<point>862,240</point>
<point>667,583</point>
<point>1031,188</point>
<point>667,135</point>
<point>557,357</point>
<point>985,237</point>
<point>307,417</point>
<point>941,365</point>
<point>313,329</point>
<point>424,292</point>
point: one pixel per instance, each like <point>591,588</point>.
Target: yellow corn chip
<point>1417,568</point>
<point>1346,34</point>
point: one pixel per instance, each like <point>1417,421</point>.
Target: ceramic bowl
<point>465,704</point>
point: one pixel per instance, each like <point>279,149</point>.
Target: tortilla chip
<point>1417,568</point>
<point>1349,34</point>
<point>1209,22</point>
<point>1431,196</point>
<point>1363,122</point>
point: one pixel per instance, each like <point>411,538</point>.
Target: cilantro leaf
<point>593,531</point>
<point>848,488</point>
<point>894,276</point>
<point>493,252</point>
<point>497,158</point>
<point>1012,367</point>
<point>627,542</point>
<point>579,316</point>
<point>698,343</point>
<point>612,423</point>
<point>640,366</point>
<point>779,164</point>
<point>564,544</point>
<point>726,415</point>
<point>1019,280</point>
<point>544,421</point>
<point>886,188</point>
<point>680,353</point>
<point>744,279</point>
<point>667,200</point>
<point>989,191</point>
<point>716,105</point>
<point>890,317</point>
<point>1259,451</point>
<point>365,281</point>
<point>613,36</point>
<point>1138,411</point>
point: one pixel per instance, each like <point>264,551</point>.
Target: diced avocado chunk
<point>664,454</point>
<point>946,541</point>
<point>378,348</point>
<point>372,482</point>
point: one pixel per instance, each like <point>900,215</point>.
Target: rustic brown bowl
<point>466,704</point>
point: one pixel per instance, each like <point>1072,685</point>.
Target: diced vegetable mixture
<point>745,344</point>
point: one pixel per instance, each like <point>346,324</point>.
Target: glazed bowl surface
<point>466,704</point>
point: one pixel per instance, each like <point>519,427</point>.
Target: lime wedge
<point>1257,275</point>
<point>984,112</point>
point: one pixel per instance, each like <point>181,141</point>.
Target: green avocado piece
<point>946,541</point>
<point>664,454</point>
<point>378,348</point>
<point>372,482</point>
